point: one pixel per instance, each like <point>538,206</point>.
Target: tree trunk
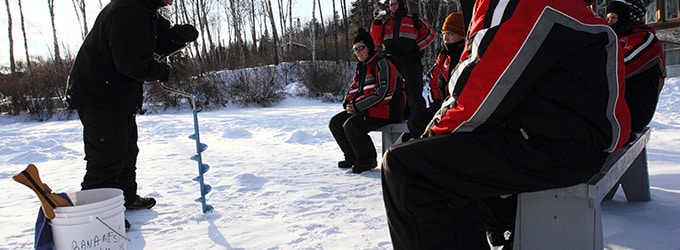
<point>282,23</point>
<point>345,18</point>
<point>57,56</point>
<point>335,33</point>
<point>253,36</point>
<point>313,28</point>
<point>12,65</point>
<point>23,32</point>
<point>79,7</point>
<point>290,22</point>
<point>270,13</point>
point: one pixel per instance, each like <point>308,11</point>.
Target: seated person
<point>644,59</point>
<point>376,98</point>
<point>437,80</point>
<point>535,103</point>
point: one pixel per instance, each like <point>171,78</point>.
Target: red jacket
<point>414,34</point>
<point>550,68</point>
<point>645,72</point>
<point>441,70</point>
<point>377,90</point>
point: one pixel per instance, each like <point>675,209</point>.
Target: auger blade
<point>204,168</point>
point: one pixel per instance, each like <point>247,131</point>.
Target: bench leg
<point>635,182</point>
<point>389,139</point>
<point>553,219</point>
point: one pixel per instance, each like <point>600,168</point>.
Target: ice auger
<point>200,147</point>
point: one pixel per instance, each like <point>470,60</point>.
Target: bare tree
<point>253,35</point>
<point>236,20</point>
<point>23,32</point>
<point>335,32</point>
<point>12,65</point>
<point>57,56</point>
<point>79,6</point>
<point>345,18</point>
<point>323,28</point>
<point>270,13</point>
<point>313,28</point>
<point>283,22</point>
<point>290,22</point>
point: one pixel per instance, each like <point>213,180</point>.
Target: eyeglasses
<point>359,48</point>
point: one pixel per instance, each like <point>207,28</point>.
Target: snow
<point>275,183</point>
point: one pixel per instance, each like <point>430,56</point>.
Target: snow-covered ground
<point>276,184</point>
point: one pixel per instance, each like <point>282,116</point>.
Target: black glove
<point>183,33</point>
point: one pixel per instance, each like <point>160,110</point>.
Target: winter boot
<point>141,203</point>
<point>345,164</point>
<point>362,166</point>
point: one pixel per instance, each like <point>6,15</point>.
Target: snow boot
<point>141,203</point>
<point>345,164</point>
<point>362,166</point>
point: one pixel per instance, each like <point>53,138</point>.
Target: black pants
<point>110,151</point>
<point>428,183</point>
<point>413,75</point>
<point>351,134</point>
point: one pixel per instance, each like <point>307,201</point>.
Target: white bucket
<point>96,221</point>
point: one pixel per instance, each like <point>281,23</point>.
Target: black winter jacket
<point>117,57</point>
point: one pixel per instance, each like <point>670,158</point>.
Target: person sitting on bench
<point>376,98</point>
<point>643,56</point>
<point>540,105</point>
<point>436,80</point>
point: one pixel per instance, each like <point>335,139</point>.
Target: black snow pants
<point>428,183</point>
<point>110,151</point>
<point>351,134</point>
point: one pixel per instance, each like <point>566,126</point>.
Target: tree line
<point>234,34</point>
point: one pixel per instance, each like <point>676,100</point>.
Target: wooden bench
<point>392,133</point>
<point>570,218</point>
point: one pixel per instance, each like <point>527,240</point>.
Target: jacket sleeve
<point>133,42</point>
<point>437,74</point>
<point>352,90</point>
<point>377,32</point>
<point>380,85</point>
<point>642,50</point>
<point>426,33</point>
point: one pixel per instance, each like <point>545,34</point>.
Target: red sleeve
<point>377,32</point>
<point>425,36</point>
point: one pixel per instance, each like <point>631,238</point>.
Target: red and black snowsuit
<point>378,97</point>
<point>405,36</point>
<point>537,102</point>
<point>438,84</point>
<point>645,72</point>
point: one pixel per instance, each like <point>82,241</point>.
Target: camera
<point>381,12</point>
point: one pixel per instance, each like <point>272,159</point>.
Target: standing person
<point>404,36</point>
<point>643,56</point>
<point>375,99</point>
<point>526,112</point>
<point>437,79</point>
<point>105,86</point>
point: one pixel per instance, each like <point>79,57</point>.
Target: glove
<point>183,33</point>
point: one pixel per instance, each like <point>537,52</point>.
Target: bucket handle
<point>107,225</point>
